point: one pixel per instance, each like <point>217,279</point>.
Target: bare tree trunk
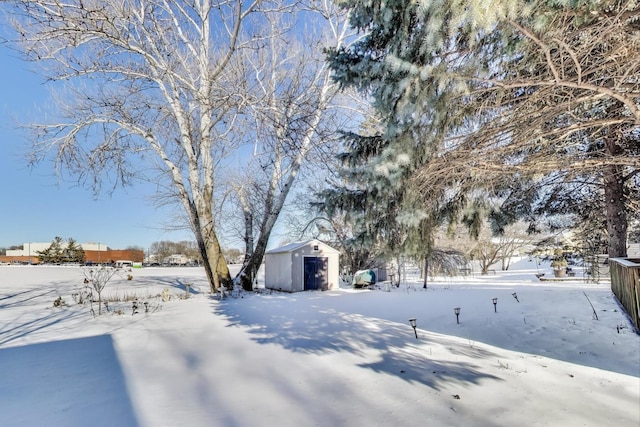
<point>251,264</point>
<point>248,235</point>
<point>484,268</point>
<point>615,203</point>
<point>213,261</point>
<point>215,265</point>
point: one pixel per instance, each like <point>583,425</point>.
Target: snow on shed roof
<point>297,245</point>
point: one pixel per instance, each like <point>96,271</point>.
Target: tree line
<point>161,251</point>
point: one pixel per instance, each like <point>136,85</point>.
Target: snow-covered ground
<point>337,358</point>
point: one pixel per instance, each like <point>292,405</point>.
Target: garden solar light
<point>495,305</point>
<point>457,312</point>
<point>412,322</point>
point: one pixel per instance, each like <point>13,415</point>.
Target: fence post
<point>625,285</point>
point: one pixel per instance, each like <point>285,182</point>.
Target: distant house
<point>177,259</point>
<point>302,266</point>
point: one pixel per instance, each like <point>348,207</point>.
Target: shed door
<point>316,273</point>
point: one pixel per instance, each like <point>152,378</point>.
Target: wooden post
<point>625,284</point>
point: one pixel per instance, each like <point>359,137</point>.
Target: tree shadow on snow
<point>195,283</point>
<point>71,383</point>
<point>19,299</point>
<point>19,328</point>
<point>301,324</point>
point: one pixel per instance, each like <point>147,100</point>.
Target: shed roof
<point>297,245</point>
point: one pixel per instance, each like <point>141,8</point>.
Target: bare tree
<point>487,252</point>
<point>295,113</point>
<point>356,253</point>
<point>488,246</point>
<point>564,108</point>
<point>97,279</point>
<point>511,242</point>
<point>161,250</point>
<point>150,80</point>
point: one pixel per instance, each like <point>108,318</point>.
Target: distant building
<point>94,247</point>
<point>177,259</point>
<point>97,253</point>
<point>110,256</point>
<point>32,249</point>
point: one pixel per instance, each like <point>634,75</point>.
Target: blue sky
<point>37,206</point>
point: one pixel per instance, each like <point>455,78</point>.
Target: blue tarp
<point>364,278</point>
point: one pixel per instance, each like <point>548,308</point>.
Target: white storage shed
<point>302,266</point>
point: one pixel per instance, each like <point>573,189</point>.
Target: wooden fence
<point>625,284</point>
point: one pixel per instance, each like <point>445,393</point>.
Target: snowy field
<point>336,358</point>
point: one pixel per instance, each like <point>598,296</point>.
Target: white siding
<point>277,271</point>
<point>284,267</point>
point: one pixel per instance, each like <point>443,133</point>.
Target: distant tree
<point>232,255</point>
<point>73,252</point>
<point>190,249</point>
<point>487,253</point>
<point>52,254</point>
<point>58,252</point>
<point>514,240</point>
<point>162,250</point>
<point>491,245</point>
<point>45,255</point>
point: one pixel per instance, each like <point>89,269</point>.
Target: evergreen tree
<point>45,255</point>
<point>73,252</point>
<point>57,252</point>
<point>503,97</point>
<point>52,254</point>
<point>376,194</point>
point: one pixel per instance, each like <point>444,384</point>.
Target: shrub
<point>559,263</point>
<point>97,279</point>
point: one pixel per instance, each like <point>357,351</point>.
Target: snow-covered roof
<point>291,247</point>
